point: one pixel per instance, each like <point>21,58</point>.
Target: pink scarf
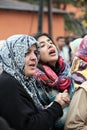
<point>50,79</point>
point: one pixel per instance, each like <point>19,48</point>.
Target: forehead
<point>42,39</point>
<point>33,47</point>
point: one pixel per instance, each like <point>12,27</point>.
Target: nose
<point>49,44</point>
<point>33,56</point>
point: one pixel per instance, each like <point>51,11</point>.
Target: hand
<point>63,98</point>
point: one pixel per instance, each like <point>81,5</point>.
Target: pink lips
<point>33,65</point>
<point>52,52</point>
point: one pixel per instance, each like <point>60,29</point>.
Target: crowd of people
<point>40,88</point>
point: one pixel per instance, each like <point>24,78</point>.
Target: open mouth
<point>32,65</point>
<point>52,52</point>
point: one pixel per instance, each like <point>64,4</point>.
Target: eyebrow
<point>29,49</point>
<point>42,42</point>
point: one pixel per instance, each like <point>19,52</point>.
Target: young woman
<point>20,103</point>
<point>52,73</point>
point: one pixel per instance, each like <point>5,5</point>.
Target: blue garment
<point>48,94</point>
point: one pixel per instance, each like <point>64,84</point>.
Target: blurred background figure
<point>60,44</point>
<point>63,48</point>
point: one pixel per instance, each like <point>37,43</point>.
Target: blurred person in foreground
<point>77,114</point>
<point>20,103</point>
<point>53,74</point>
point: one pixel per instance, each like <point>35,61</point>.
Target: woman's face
<point>31,61</point>
<point>48,51</point>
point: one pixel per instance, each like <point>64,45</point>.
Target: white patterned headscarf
<point>12,57</point>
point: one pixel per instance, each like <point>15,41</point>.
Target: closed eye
<point>42,44</point>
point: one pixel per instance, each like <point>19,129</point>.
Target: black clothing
<point>19,110</point>
<point>3,124</point>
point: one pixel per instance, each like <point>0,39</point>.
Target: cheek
<point>36,63</point>
<point>57,51</point>
<point>43,55</point>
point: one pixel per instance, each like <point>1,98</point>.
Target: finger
<point>67,100</point>
<point>65,91</point>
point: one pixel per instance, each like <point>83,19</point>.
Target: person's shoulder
<point>7,80</point>
<point>5,76</point>
<point>84,85</point>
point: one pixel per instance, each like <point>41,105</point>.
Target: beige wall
<point>14,22</point>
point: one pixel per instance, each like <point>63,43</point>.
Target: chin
<point>30,74</point>
<point>54,59</point>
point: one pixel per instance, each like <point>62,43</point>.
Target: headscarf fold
<point>79,65</point>
<point>82,51</point>
<point>12,57</point>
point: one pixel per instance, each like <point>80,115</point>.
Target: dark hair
<point>36,36</point>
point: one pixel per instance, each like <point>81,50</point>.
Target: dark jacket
<point>17,107</point>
